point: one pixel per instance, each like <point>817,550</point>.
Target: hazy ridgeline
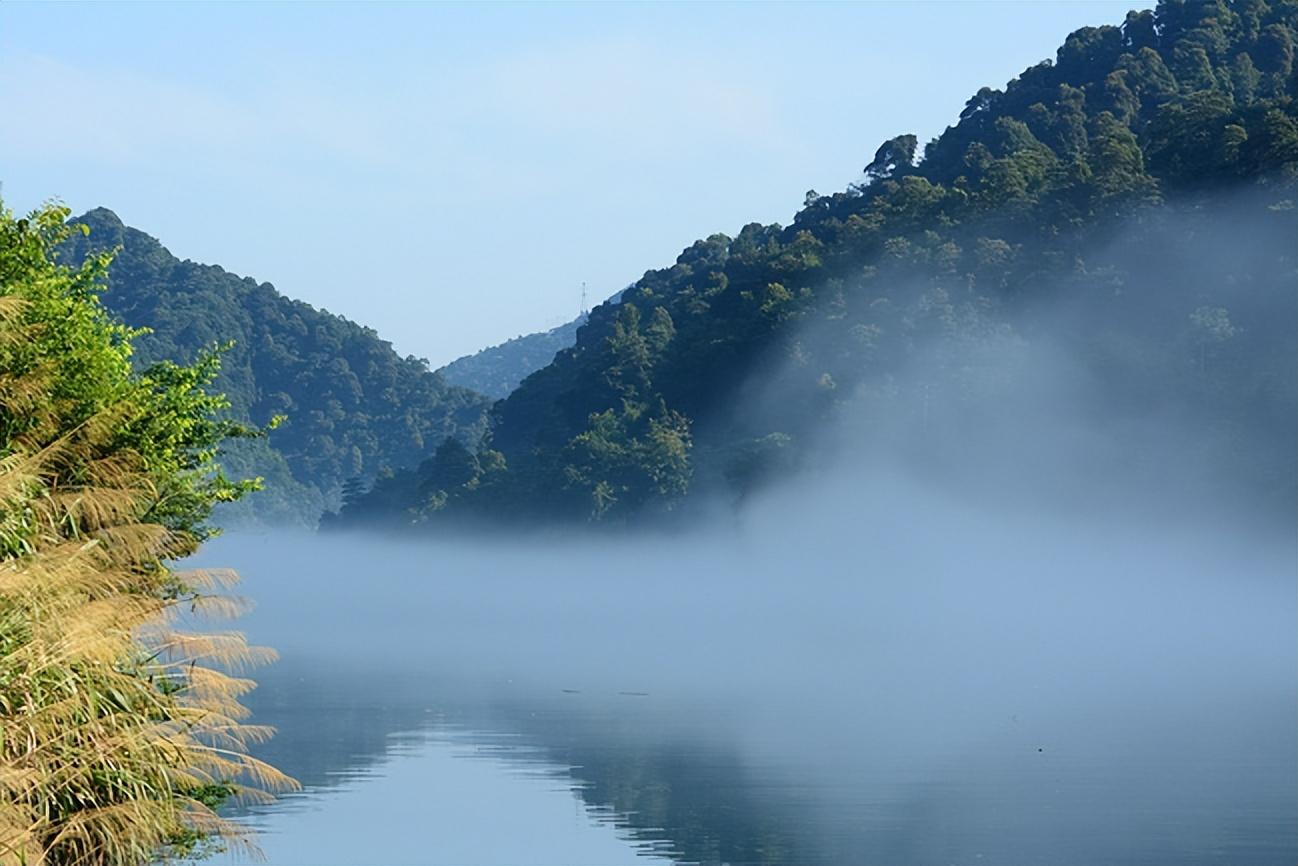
<point>1156,354</point>
<point>1076,410</point>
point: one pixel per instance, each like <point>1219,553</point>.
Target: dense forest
<point>1131,200</point>
<point>350,406</point>
<point>498,370</point>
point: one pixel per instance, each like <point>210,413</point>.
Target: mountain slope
<point>498,370</point>
<point>354,407</point>
<point>1093,189</point>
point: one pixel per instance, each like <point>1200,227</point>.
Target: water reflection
<point>502,803</point>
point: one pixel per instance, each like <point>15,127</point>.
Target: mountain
<point>353,407</point>
<point>1129,203</point>
<point>498,370</point>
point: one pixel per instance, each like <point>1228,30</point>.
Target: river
<point>872,694</point>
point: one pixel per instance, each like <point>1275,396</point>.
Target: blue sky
<point>450,174</point>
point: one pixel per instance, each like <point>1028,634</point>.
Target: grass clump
<point>120,733</point>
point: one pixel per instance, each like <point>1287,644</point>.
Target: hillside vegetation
<point>1082,205</point>
<point>496,371</point>
<point>352,407</point>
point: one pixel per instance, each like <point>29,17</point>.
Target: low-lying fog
<point>924,677</point>
<point>1026,634</point>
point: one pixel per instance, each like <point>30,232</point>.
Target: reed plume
<point>119,732</point>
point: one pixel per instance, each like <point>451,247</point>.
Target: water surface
<point>861,697</point>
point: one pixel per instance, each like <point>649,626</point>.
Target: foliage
<point>118,733</point>
<point>1050,193</point>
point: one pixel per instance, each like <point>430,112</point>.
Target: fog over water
<point>862,668</point>
<point>1037,626</point>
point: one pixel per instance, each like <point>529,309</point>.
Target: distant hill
<point>498,370</point>
<point>354,407</point>
<point>1098,186</point>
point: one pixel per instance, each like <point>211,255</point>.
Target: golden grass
<point>117,730</point>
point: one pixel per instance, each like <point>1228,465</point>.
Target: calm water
<point>1075,700</point>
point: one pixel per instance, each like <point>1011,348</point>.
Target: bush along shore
<point>120,734</point>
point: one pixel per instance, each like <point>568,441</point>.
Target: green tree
<point>893,156</point>
<point>630,355</point>
<point>1245,79</point>
<point>1118,164</point>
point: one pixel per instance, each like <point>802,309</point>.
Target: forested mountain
<point>352,406</point>
<point>498,370</point>
<point>1131,201</point>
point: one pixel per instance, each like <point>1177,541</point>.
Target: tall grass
<point>119,733</point>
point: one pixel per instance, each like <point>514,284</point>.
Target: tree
<point>1186,137</point>
<point>451,466</point>
<point>628,459</point>
<point>1274,55</point>
<point>1245,78</point>
<point>1117,164</point>
<point>980,102</point>
<point>1118,98</point>
<point>1273,145</point>
<point>1148,76</point>
<point>630,355</point>
<point>895,154</point>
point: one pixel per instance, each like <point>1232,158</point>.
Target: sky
<point>450,174</point>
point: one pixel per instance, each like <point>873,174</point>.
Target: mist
<point>1016,610</point>
<point>1024,657</point>
<point>1039,681</point>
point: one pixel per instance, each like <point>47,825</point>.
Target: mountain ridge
<point>354,407</point>
<point>1141,128</point>
<point>497,370</point>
